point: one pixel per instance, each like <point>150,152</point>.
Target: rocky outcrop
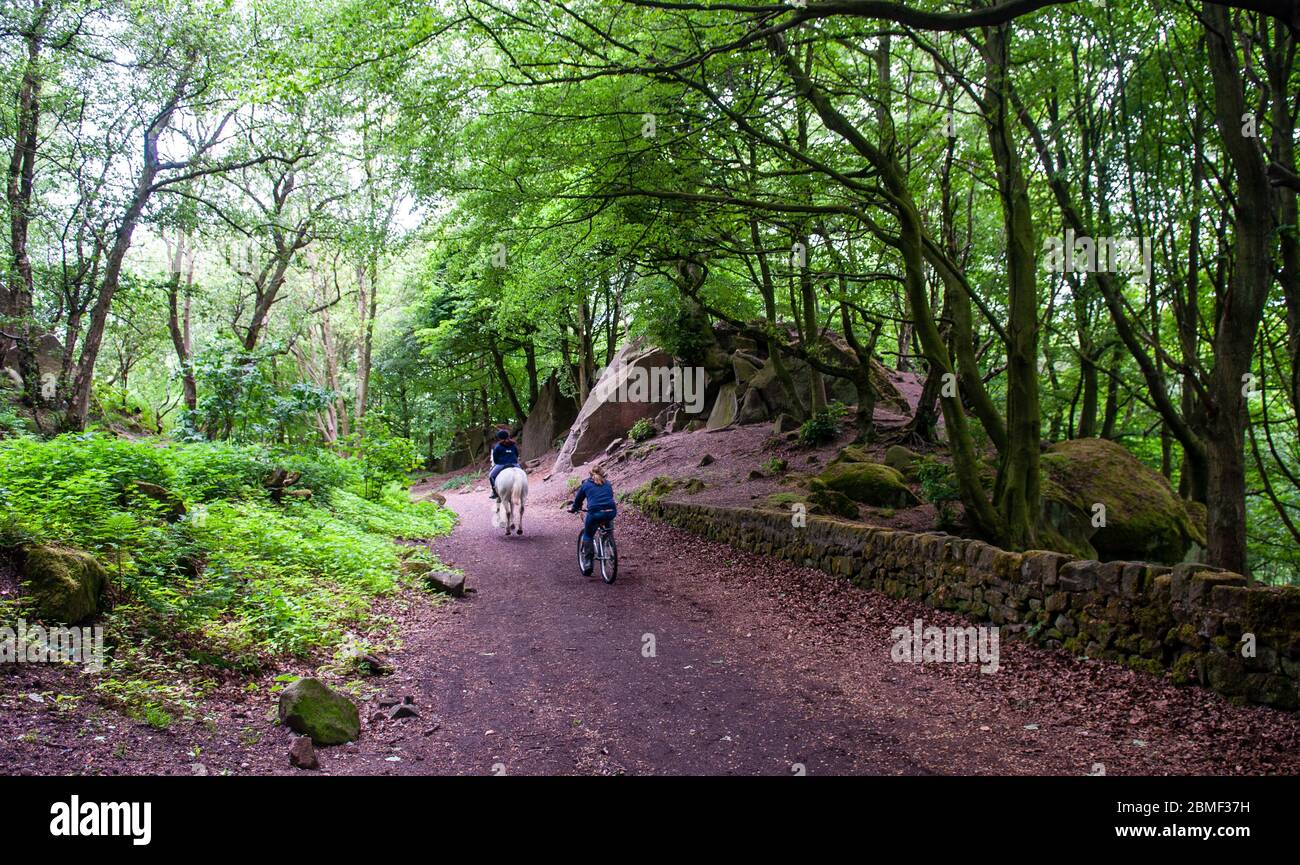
<point>761,397</point>
<point>1205,626</point>
<point>548,419</point>
<point>468,447</point>
<point>62,584</point>
<point>1143,518</point>
<point>614,404</point>
<point>311,708</point>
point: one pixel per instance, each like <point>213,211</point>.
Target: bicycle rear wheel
<point>608,558</point>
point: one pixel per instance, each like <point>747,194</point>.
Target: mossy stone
<point>901,459</point>
<point>1144,519</point>
<point>311,708</point>
<point>63,584</point>
<point>867,483</point>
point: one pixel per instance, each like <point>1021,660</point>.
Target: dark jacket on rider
<point>599,498</point>
<point>506,453</point>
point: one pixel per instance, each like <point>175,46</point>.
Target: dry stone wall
<point>1205,625</point>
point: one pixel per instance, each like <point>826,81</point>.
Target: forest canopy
<point>302,225</point>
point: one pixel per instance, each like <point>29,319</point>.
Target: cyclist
<point>504,454</point>
<point>601,510</point>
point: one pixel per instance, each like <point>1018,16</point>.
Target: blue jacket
<point>505,454</point>
<point>599,497</point>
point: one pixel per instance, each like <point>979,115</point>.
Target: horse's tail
<point>519,493</point>
<point>512,490</point>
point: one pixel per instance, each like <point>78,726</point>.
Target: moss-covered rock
<point>833,503</point>
<point>62,584</point>
<point>901,459</point>
<point>851,454</point>
<point>1144,518</point>
<point>867,483</point>
<point>311,708</point>
<point>653,490</point>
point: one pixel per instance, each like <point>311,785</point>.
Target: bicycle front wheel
<point>608,560</point>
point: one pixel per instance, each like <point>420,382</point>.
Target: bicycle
<point>604,551</point>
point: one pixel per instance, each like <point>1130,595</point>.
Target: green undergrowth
<point>237,583</point>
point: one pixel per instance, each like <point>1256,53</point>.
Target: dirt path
<point>758,667</point>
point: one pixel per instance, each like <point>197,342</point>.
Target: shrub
<point>824,426</point>
<point>939,488</point>
<point>641,430</point>
<point>382,457</point>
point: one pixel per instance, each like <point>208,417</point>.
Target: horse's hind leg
<point>520,529</point>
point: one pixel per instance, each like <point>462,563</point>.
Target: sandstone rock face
<point>725,409</point>
<point>311,708</point>
<point>469,447</point>
<point>63,584</point>
<point>548,419</point>
<point>608,413</point>
<point>762,397</point>
<point>1144,518</point>
<point>745,367</point>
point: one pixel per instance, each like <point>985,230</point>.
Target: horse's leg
<point>520,529</point>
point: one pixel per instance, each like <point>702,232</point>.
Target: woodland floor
<point>759,666</point>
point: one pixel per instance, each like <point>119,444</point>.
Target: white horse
<point>512,490</point>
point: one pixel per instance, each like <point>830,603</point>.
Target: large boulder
<point>752,408</point>
<point>867,483</point>
<point>725,408</point>
<point>311,708</point>
<point>548,419</point>
<point>615,403</point>
<point>62,584</point>
<point>1144,518</point>
<point>745,367</point>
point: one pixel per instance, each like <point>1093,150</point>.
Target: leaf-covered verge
<point>236,583</point>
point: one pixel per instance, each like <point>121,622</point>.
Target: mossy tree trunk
<point>1016,492</point>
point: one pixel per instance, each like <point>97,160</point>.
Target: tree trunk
<point>1017,485</point>
<point>178,316</point>
<point>367,308</point>
<point>16,292</point>
<point>1241,310</point>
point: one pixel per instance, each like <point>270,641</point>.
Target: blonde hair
<point>598,475</point>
